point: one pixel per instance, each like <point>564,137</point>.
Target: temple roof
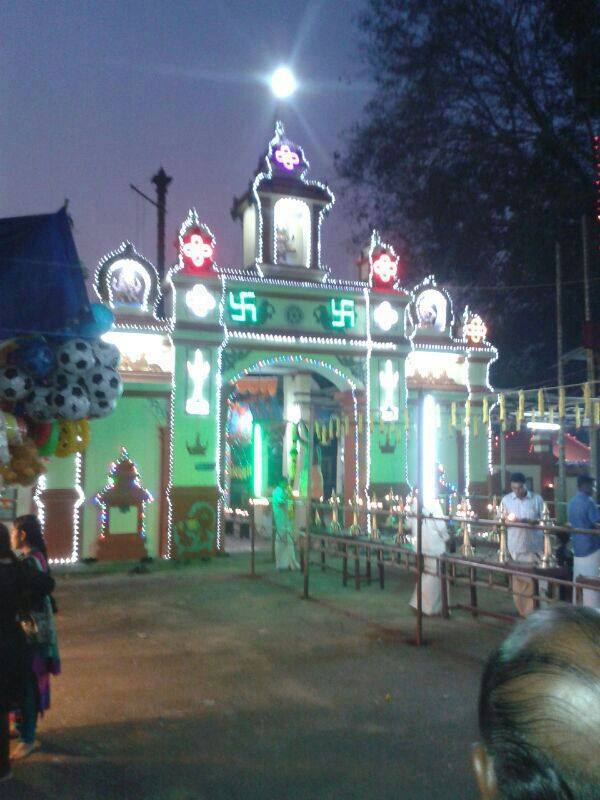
<point>282,170</point>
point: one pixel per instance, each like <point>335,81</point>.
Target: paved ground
<point>200,683</point>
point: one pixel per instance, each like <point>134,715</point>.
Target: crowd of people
<point>526,545</point>
<point>28,642</point>
<point>539,707</point>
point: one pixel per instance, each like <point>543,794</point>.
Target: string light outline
<point>267,174</point>
<point>127,250</point>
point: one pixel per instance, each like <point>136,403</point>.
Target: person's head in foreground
<point>539,710</point>
<point>585,484</point>
<point>518,484</point>
<point>27,534</point>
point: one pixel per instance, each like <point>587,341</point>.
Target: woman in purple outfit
<point>44,660</point>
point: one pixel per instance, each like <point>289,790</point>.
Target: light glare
<point>283,83</point>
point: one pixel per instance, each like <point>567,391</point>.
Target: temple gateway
<point>237,377</point>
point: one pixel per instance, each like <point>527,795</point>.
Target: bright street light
<point>283,83</point>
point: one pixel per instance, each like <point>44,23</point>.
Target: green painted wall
<point>194,430</point>
<point>387,467</point>
<point>60,473</point>
<point>135,424</point>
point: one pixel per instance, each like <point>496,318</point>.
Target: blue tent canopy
<point>42,287</point>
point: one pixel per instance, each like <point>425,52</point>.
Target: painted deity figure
<point>283,517</point>
<point>286,251</point>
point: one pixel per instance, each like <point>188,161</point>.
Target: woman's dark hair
<point>539,707</point>
<point>5,548</point>
<point>29,524</point>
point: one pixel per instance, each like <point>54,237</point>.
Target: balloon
<point>15,383</point>
<point>49,446</point>
<point>4,451</point>
<point>13,430</point>
<point>106,354</point>
<point>40,433</point>
<point>72,402</point>
<point>75,356</point>
<point>38,404</point>
<point>102,321</point>
<point>22,426</point>
<point>35,357</point>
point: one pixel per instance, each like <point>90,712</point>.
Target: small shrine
<point>122,504</point>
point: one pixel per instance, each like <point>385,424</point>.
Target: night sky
<point>96,95</point>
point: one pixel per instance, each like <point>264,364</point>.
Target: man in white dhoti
<point>434,535</point>
<point>283,517</point>
<point>524,544</point>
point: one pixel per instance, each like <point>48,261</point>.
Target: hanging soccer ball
<point>106,354</point>
<point>101,408</point>
<point>39,404</point>
<point>75,355</point>
<point>72,402</point>
<point>103,384</point>
<point>62,379</point>
<point>15,385</point>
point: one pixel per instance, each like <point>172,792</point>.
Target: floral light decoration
<point>199,300</point>
<point>474,328</point>
<point>385,316</point>
<point>286,157</point>
<point>383,261</point>
<point>196,245</point>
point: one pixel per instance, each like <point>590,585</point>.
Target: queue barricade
<point>466,570</point>
<point>471,571</point>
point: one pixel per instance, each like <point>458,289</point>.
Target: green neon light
<point>242,306</point>
<point>343,314</point>
<point>257,457</point>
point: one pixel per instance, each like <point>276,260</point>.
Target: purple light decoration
<point>286,158</point>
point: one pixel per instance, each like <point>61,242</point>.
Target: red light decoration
<point>197,248</point>
<point>384,269</point>
<point>475,330</point>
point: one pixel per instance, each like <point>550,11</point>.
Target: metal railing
<point>495,570</point>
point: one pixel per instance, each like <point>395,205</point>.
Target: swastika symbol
<point>342,313</point>
<point>243,307</point>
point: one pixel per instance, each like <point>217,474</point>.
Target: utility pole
<point>589,350</point>
<point>560,496</point>
<point>161,180</point>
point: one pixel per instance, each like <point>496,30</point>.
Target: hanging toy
<point>4,451</point>
<point>67,439</point>
<point>83,434</point>
<point>14,431</point>
<point>25,465</point>
<point>49,445</point>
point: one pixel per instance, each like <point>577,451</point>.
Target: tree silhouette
<point>475,154</point>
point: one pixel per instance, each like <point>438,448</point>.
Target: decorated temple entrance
<point>274,370</point>
<point>271,411</point>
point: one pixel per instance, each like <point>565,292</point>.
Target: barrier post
<point>306,563</point>
<point>356,568</point>
<point>503,554</point>
<point>252,542</point>
<point>547,560</point>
